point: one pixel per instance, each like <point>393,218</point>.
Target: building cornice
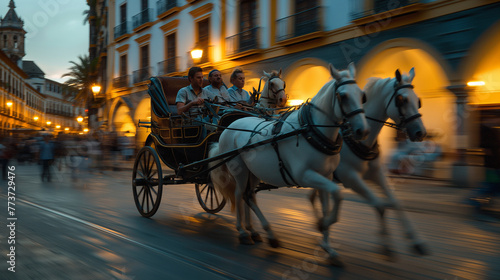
<point>143,39</point>
<point>169,26</point>
<point>205,9</point>
<point>123,48</point>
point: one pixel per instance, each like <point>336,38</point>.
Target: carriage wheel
<point>209,198</point>
<point>147,182</point>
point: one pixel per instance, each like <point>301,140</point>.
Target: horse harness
<point>272,101</point>
<point>311,132</point>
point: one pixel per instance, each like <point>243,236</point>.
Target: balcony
<point>121,30</point>
<point>243,42</point>
<point>165,7</point>
<point>142,74</point>
<point>140,20</point>
<point>168,66</point>
<point>121,82</point>
<point>363,11</point>
<point>299,25</point>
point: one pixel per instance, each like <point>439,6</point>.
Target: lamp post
<point>79,120</point>
<point>9,105</point>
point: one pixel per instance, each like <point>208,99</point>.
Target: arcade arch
<point>305,78</point>
<point>142,113</point>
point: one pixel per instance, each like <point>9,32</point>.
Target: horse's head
<point>403,106</point>
<point>350,98</point>
<point>275,88</point>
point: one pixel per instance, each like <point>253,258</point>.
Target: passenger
<point>217,86</point>
<point>236,92</point>
<point>191,98</point>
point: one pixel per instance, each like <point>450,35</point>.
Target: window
<point>307,17</point>
<point>203,38</point>
<point>171,52</point>
<point>15,42</point>
<point>248,31</point>
<point>123,13</point>
<point>145,56</point>
<point>123,65</point>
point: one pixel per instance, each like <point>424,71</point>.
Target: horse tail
<point>222,179</point>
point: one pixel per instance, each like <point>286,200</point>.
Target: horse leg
<point>326,187</point>
<point>252,203</point>
<point>241,185</point>
<point>248,217</point>
<point>418,244</point>
<point>354,181</point>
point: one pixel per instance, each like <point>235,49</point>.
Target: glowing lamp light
<point>79,119</point>
<point>66,128</point>
<point>96,89</point>
<point>58,126</point>
<point>49,122</point>
<point>295,102</point>
<point>476,83</point>
<point>9,103</point>
<point>35,118</point>
<point>196,53</point>
<point>85,130</point>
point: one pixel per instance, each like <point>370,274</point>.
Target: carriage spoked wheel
<point>210,199</point>
<point>147,182</point>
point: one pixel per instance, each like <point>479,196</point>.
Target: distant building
<point>27,98</point>
<point>450,43</point>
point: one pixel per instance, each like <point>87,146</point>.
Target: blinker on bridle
<point>400,101</point>
<point>356,111</point>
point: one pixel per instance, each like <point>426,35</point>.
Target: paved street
<point>90,229</point>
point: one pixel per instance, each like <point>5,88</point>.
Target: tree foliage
<point>80,77</point>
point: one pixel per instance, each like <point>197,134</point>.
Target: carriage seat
<point>170,86</point>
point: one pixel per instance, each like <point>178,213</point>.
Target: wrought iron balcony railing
<point>362,8</point>
<point>243,41</point>
<point>121,82</point>
<point>142,74</point>
<point>302,23</point>
<point>143,17</point>
<point>165,5</point>
<point>168,66</point>
<point>121,29</point>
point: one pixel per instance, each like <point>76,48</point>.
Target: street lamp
<point>35,118</point>
<point>9,104</point>
<point>96,89</point>
<point>196,54</point>
<point>49,123</point>
<point>79,119</point>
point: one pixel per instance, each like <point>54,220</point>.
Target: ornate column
<point>460,170</point>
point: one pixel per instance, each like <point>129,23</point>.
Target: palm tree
<point>88,13</point>
<point>81,77</point>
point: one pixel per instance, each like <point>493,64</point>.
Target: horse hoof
<point>335,261</point>
<point>246,240</point>
<point>420,249</point>
<point>256,237</point>
<point>274,243</point>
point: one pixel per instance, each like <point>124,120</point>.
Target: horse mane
<point>375,84</point>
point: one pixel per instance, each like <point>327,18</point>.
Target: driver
<point>191,98</point>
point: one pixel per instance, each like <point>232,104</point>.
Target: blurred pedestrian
<point>46,156</point>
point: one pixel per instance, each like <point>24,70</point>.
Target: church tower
<point>12,35</point>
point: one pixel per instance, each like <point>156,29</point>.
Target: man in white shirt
<point>189,99</point>
<point>216,86</point>
<point>236,92</point>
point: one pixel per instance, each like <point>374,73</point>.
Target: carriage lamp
<point>79,119</point>
<point>476,83</point>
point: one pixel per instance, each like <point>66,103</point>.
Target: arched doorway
<point>431,79</point>
<point>142,113</point>
<point>305,78</point>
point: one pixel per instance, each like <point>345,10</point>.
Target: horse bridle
<point>354,112</point>
<point>275,93</point>
<point>399,102</point>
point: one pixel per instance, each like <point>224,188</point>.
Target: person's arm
<point>181,100</point>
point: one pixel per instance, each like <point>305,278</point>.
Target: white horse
<point>306,160</point>
<point>386,98</point>
<point>273,93</point>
